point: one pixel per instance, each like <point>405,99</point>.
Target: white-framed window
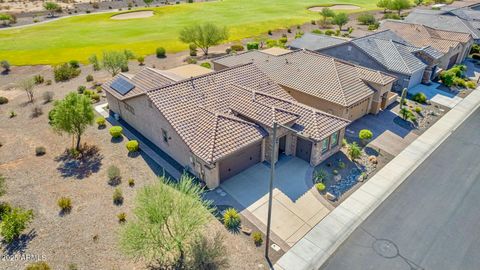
<point>325,145</point>
<point>334,139</point>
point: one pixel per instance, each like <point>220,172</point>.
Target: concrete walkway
<point>435,94</point>
<point>324,239</point>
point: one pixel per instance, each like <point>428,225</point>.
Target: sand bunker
<point>335,7</point>
<point>133,15</point>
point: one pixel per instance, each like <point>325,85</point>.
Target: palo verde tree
<point>72,115</point>
<point>204,36</point>
<point>399,5</point>
<point>169,218</point>
<point>385,4</point>
<point>148,2</point>
<point>114,61</point>
<point>340,19</point>
<point>326,13</point>
<point>28,85</point>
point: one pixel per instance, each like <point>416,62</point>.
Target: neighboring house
<point>455,46</point>
<point>316,42</point>
<point>458,20</point>
<point>323,82</point>
<point>219,124</point>
<point>387,52</point>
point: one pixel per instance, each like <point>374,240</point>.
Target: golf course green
<point>78,37</point>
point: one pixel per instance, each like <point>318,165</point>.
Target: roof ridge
<point>214,138</point>
<point>339,81</point>
<point>401,57</point>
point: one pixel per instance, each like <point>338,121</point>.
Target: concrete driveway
<point>296,204</point>
<point>387,135</point>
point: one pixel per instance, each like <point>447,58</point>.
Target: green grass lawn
<point>81,36</point>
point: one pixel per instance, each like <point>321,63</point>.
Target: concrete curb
<point>313,250</point>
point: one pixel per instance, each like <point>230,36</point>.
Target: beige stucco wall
<point>317,156</point>
<point>150,122</point>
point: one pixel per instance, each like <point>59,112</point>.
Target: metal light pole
<point>272,177</point>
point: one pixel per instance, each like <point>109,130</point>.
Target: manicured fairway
<point>79,37</point>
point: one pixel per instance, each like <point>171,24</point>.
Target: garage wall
<point>240,161</point>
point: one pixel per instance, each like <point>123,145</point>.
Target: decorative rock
<point>331,197</point>
<point>373,159</point>
<point>246,230</point>
<point>337,177</point>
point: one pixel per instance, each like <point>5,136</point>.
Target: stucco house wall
<point>148,119</point>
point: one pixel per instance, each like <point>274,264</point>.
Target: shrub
<point>299,34</point>
<point>289,30</point>
<point>74,64</point>
<point>253,46</point>
<point>320,186</point>
<point>365,134</point>
<point>14,223</point>
<point>418,109</point>
<point>36,111</point>
<point>3,100</point>
<point>420,97</point>
<point>476,56</point>
<point>354,151</point>
<point>129,54</point>
<point>191,60</point>
<point>89,78</point>
<point>141,60</point>
<point>319,175</point>
<point>366,19</point>
<point>47,96</point>
<point>132,146</point>
<point>329,32</point>
<point>131,182</point>
<point>237,47</point>
<point>193,49</point>
<point>65,204</point>
<point>313,22</point>
<point>40,151</point>
<point>5,65</point>
<point>81,89</point>
<point>48,82</point>
<point>344,142</point>
<point>283,40</point>
<point>65,72</point>
<point>161,52</point>
<point>116,131</point>
<point>95,97</point>
<point>459,82</point>
<point>341,165</point>
<point>206,65</point>
<point>38,79</point>
<point>122,217</point>
<point>269,32</point>
<point>475,49</point>
<point>471,85</point>
<point>391,16</point>
<point>13,114</point>
<point>447,78</point>
<point>113,173</point>
<point>335,172</point>
<point>257,238</point>
<point>38,266</point>
<point>231,219</point>
<point>317,31</point>
<point>374,26</point>
<point>271,43</point>
<point>100,121</point>
<point>117,196</point>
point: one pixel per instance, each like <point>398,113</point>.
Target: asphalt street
<point>432,221</point>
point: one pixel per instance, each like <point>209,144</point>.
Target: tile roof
<point>421,36</point>
<point>391,51</point>
<point>205,111</point>
<point>316,42</point>
<point>443,22</point>
<point>315,74</point>
<point>146,79</point>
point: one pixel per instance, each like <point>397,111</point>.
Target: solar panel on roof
<point>122,86</point>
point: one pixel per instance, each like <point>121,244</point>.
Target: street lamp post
<point>272,178</point>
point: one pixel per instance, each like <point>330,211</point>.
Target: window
<point>129,108</point>
<point>165,136</point>
<point>335,139</point>
<point>325,145</point>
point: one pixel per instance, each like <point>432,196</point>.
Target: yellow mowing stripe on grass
<point>79,37</point>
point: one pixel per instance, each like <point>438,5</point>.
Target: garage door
<point>359,110</point>
<point>304,149</point>
<point>238,162</point>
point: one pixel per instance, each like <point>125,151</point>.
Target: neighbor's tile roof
<point>391,52</point>
<point>201,110</point>
<point>315,74</point>
<point>421,36</point>
<point>316,42</point>
<point>444,22</point>
<point>146,79</point>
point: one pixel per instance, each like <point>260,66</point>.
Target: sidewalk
<point>323,240</point>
